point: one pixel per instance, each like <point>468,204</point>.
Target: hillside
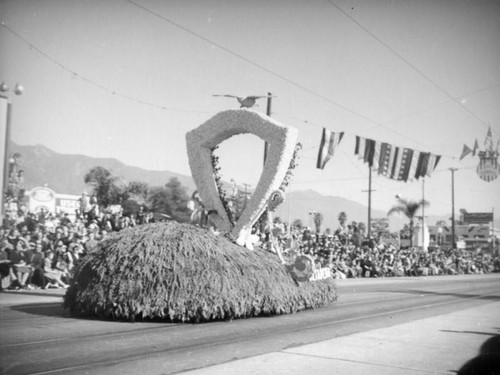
<point>64,173</point>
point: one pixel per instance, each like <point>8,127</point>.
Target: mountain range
<point>64,173</point>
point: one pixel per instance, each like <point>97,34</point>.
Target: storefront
<point>45,198</point>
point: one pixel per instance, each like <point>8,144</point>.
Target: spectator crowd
<point>40,250</point>
<point>348,255</point>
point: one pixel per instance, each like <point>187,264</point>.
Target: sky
<point>128,78</point>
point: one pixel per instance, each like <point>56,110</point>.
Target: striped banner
<point>329,140</point>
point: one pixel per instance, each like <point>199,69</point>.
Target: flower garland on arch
<point>218,184</point>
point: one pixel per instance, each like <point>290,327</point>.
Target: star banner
<point>396,163</point>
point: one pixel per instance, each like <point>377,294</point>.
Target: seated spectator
<point>62,261</point>
<point>5,263</point>
<point>20,270</point>
<point>91,244</point>
<point>36,262</point>
<point>53,275</point>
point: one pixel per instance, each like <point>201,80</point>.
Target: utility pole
<point>6,121</point>
<point>268,113</point>
<point>369,200</point>
<point>246,193</point>
<point>454,244</point>
<point>493,237</point>
<point>423,214</point>
<point>266,147</point>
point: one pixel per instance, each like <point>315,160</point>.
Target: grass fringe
<point>181,273</point>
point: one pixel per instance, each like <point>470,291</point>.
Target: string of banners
<point>488,168</point>
<point>394,162</point>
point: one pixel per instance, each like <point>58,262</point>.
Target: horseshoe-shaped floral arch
<point>202,140</point>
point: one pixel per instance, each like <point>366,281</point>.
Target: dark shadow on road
<point>488,359</point>
<point>51,309</point>
<point>42,293</point>
<point>458,295</point>
<point>471,332</point>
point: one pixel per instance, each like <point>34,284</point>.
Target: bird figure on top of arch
<point>247,102</point>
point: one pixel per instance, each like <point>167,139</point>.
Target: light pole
<point>453,243</point>
<point>5,121</point>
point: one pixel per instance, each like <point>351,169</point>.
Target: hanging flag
<point>369,151</point>
<point>488,140</point>
<point>423,162</point>
<point>433,162</point>
<point>476,146</point>
<point>396,162</point>
<point>329,140</point>
<point>376,156</point>
<point>406,161</point>
<point>360,147</point>
<point>385,157</point>
<point>466,151</point>
<point>356,147</point>
<point>414,164</point>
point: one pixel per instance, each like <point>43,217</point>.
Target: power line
<point>330,180</point>
<point>309,122</point>
<point>407,62</point>
<point>261,67</point>
<point>92,82</point>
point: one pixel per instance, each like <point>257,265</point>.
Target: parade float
<point>214,271</point>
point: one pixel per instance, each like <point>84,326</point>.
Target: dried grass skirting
<point>181,273</point>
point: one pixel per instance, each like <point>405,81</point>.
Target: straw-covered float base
<point>182,273</point>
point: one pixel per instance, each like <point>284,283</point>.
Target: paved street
<point>393,325</point>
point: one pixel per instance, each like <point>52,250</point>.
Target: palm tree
<point>318,220</point>
<point>408,208</point>
<point>104,185</point>
<point>342,218</point>
<point>297,223</point>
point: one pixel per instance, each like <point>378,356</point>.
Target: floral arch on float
<point>203,140</point>
<point>179,272</point>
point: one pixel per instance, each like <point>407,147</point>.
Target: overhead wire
<point>262,67</point>
<point>407,62</point>
<point>114,92</point>
<point>93,82</point>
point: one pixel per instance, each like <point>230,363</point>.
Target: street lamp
<point>439,236</point>
<point>18,89</point>
<point>5,120</point>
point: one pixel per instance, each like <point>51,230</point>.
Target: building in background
<point>55,203</point>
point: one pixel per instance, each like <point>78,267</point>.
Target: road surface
<point>37,336</point>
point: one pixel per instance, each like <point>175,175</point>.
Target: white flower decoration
<point>202,140</point>
<point>247,239</point>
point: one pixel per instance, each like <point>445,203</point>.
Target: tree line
<point>170,199</point>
